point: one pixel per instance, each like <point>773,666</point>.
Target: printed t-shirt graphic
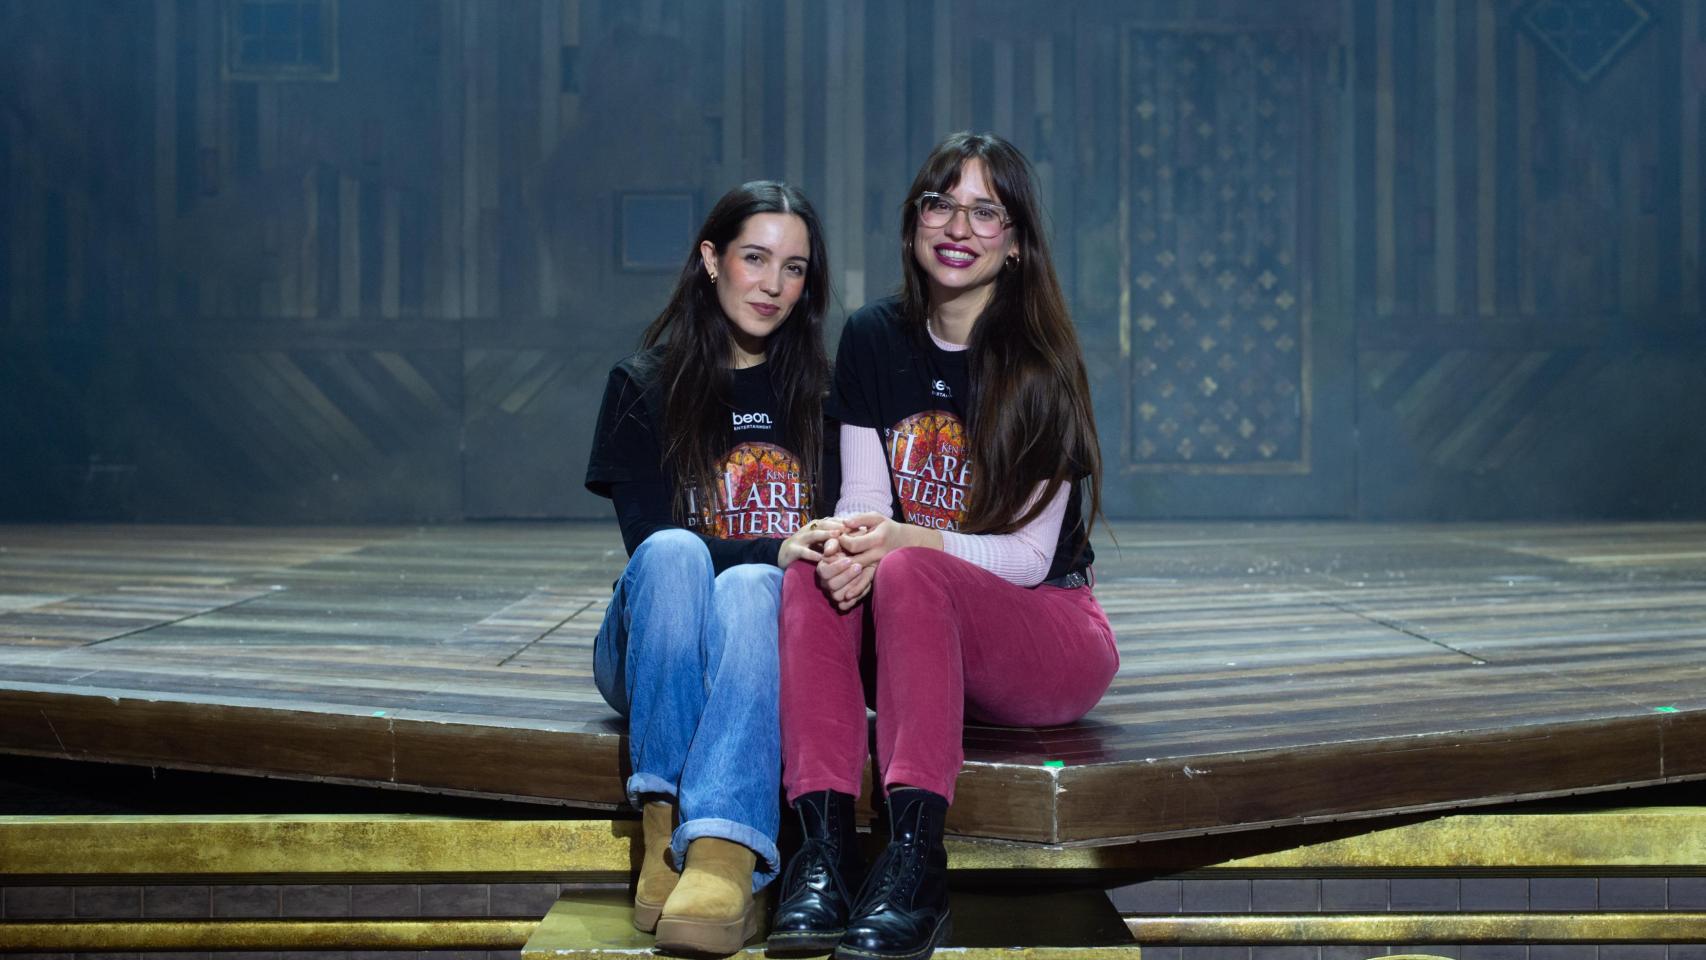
<point>928,465</point>
<point>761,492</point>
<point>891,378</point>
<point>758,493</point>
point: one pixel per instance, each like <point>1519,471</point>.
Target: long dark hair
<point>693,369</point>
<point>1029,416</point>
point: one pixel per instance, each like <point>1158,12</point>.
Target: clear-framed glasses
<point>987,219</point>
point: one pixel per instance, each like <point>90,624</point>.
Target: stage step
<point>315,847</point>
<point>1642,871</point>
<point>1060,925</point>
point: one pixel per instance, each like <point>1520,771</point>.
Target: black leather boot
<point>902,910</point>
<point>816,892</point>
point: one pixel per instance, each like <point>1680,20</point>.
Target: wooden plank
<point>793,94</point>
<point>733,103</point>
<point>97,618</point>
<point>199,736</point>
<point>1385,155</point>
<point>852,253</point>
<point>447,259</point>
<point>1487,158</point>
<point>1127,379</point>
<point>584,767</point>
<point>1445,157</point>
<point>942,85</point>
<point>1002,96</point>
<point>549,77</point>
<point>308,250</point>
<point>568,113</point>
<point>838,161</point>
<point>757,51</point>
<point>349,247</point>
<point>1693,81</point>
<point>1272,674</point>
<point>490,141</point>
<point>390,273</point>
<point>1044,111</point>
<point>549,84</point>
<point>212,142</point>
<point>165,153</point>
<point>1200,792</point>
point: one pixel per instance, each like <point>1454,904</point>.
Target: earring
<point>712,276</point>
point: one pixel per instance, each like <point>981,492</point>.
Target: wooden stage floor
<point>1272,674</point>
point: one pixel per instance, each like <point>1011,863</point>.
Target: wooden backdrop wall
<point>1358,258</point>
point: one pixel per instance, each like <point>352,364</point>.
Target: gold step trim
<point>1074,926</point>
<point>1419,928</point>
<point>1653,840</point>
<point>318,846</point>
<point>113,936</point>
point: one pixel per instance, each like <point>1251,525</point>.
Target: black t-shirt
<point>761,494</point>
<point>914,394</point>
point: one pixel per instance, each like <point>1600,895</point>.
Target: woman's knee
<point>749,587</point>
<point>908,570</point>
<point>674,550</point>
<point>800,575</point>
<point>745,604</point>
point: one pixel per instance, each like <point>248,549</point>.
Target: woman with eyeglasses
<point>709,443</point>
<point>961,580</point>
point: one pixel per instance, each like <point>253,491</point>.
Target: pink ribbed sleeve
<point>864,473</point>
<point>1023,556</point>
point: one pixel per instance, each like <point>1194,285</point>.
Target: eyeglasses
<point>987,219</point>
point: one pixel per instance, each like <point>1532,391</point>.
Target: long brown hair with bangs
<point>693,369</point>
<point>1029,415</point>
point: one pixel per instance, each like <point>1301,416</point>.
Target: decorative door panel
<point>1217,187</point>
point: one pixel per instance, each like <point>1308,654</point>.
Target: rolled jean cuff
<point>769,858</point>
<point>641,784</point>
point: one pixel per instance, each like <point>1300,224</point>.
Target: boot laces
<point>814,862</point>
<point>898,867</point>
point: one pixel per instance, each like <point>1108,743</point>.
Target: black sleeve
<point>828,493</point>
<point>852,392</point>
<point>624,447</point>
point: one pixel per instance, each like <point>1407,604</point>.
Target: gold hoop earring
<point>712,276</point>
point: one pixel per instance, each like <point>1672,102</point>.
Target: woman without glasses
<point>966,430</point>
<point>709,441</point>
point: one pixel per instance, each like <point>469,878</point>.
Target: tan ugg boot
<point>657,878</point>
<point>712,909</point>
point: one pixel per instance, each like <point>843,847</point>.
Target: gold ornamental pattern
<point>1215,328</point>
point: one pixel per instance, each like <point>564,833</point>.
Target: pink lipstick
<point>954,255</point>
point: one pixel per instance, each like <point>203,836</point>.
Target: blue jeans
<point>689,657</point>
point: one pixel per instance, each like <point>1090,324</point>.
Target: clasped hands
<point>846,551</point>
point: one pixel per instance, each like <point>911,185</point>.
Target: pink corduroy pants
<point>948,641</point>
